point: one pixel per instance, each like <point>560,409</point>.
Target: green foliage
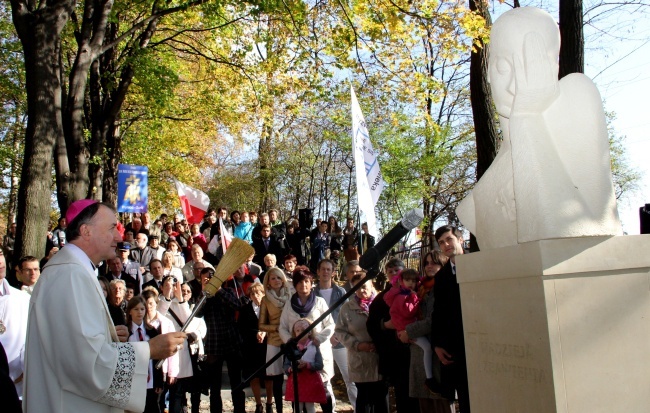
<point>626,178</point>
<point>13,107</point>
<point>156,77</point>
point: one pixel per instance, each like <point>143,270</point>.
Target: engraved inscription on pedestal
<point>510,361</point>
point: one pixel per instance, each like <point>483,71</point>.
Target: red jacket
<point>404,306</point>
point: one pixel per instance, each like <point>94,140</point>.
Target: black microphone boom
<point>374,255</point>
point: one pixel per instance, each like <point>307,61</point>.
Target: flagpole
<point>360,231</point>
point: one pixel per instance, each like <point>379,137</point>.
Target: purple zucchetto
<point>77,207</point>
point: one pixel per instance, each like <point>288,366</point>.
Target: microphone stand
<point>360,232</point>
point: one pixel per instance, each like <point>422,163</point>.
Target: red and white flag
<point>194,202</point>
<point>226,238</point>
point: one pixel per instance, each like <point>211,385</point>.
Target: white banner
<point>369,180</point>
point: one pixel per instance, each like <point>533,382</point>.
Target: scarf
<point>303,346</point>
<point>301,309</point>
<point>278,300</point>
<point>364,303</point>
<point>426,284</point>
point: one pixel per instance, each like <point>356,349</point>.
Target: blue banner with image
<point>132,188</point>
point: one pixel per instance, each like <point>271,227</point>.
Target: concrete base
<point>558,326</point>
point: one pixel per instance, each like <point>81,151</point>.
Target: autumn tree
<point>12,112</point>
<point>78,119</point>
<point>411,59</point>
<point>571,32</point>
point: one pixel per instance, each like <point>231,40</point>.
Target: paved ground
<point>342,403</point>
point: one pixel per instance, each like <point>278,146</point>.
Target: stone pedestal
<point>558,326</point>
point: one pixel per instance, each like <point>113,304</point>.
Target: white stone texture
<point>551,177</point>
<point>558,326</point>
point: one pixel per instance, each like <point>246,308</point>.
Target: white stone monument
<point>556,306</point>
<point>551,177</point>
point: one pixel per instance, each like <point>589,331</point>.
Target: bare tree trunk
<point>349,191</point>
<point>40,37</point>
<point>265,166</point>
<point>106,115</point>
<point>485,127</point>
<point>97,141</point>
<point>326,181</point>
<point>296,190</point>
<point>113,157</point>
<point>571,32</point>
<point>90,39</point>
<point>312,179</point>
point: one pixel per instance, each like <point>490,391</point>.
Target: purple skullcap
<point>77,207</point>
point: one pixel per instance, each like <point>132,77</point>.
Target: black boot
<point>277,392</point>
<point>327,407</point>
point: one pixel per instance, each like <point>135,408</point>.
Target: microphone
<point>371,258</point>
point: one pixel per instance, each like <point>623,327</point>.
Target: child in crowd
<point>196,237</point>
<point>129,293</point>
<point>141,331</point>
<point>310,367</point>
<point>405,309</point>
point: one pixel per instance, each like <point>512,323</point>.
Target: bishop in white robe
<point>75,361</point>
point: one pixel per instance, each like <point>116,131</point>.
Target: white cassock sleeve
<point>72,362</point>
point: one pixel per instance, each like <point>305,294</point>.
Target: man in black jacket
<point>115,272</point>
<point>394,356</point>
<point>223,342</point>
<point>157,272</point>
<point>447,320</point>
<point>366,241</point>
<point>267,244</point>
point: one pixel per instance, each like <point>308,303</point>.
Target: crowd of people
<point>408,336</point>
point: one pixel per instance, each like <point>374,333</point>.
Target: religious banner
<point>368,176</point>
<point>132,188</point>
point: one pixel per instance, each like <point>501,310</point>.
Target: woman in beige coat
<point>277,294</point>
<point>362,359</point>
